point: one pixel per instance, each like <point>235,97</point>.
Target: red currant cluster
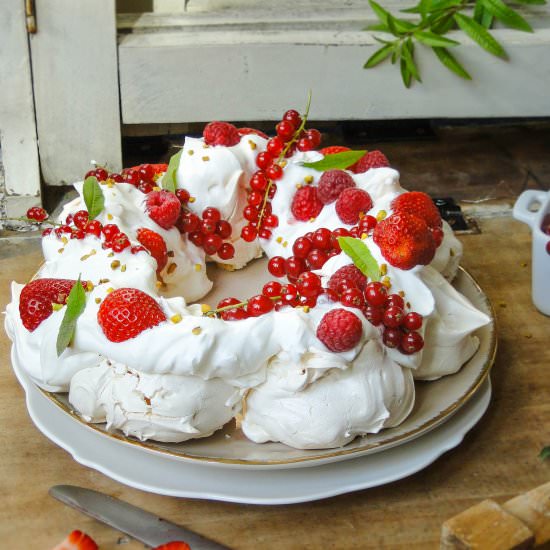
<point>36,214</point>
<point>290,137</point>
<point>142,177</point>
<point>274,296</point>
<point>207,232</point>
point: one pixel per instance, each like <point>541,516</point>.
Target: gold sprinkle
<point>110,289</point>
<point>110,184</point>
<point>64,240</point>
<point>160,284</point>
<point>383,269</point>
<point>401,293</point>
<point>283,163</point>
<point>205,308</point>
<point>381,215</point>
<point>123,268</point>
<point>86,256</point>
<point>198,267</point>
<point>364,236</point>
<point>192,199</point>
<point>109,216</point>
<point>170,253</point>
<point>252,144</point>
<point>89,286</point>
<point>110,255</point>
<point>306,309</point>
<point>176,318</point>
<point>57,307</point>
<point>386,282</point>
<point>115,264</point>
<point>205,146</point>
<point>308,179</point>
<point>98,300</point>
<point>206,158</point>
<point>285,244</point>
<point>156,188</point>
<point>279,240</point>
<point>190,152</point>
<point>196,331</point>
<point>60,250</point>
<point>171,268</point>
<point>298,186</point>
<point>157,176</point>
<point>103,281</point>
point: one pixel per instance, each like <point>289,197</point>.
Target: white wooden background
<point>94,70</point>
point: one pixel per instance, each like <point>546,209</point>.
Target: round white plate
<point>158,473</point>
<point>435,403</point>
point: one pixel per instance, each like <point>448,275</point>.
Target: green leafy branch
<point>437,18</point>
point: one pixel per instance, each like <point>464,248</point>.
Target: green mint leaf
<point>448,59</point>
<point>544,453</point>
<point>169,179</point>
<point>507,15</point>
<point>432,39</point>
<point>480,34</point>
<point>93,197</point>
<point>408,55</point>
<point>405,73</point>
<point>76,302</point>
<point>336,161</point>
<point>378,56</point>
<point>361,256</point>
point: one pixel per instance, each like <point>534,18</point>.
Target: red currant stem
<point>29,220</point>
<point>282,155</point>
<point>213,312</point>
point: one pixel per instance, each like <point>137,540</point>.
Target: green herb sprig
<point>437,18</point>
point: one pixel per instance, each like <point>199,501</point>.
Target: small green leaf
<point>380,12</point>
<point>336,161</point>
<point>534,2</point>
<point>405,73</point>
<point>448,59</point>
<point>444,24</point>
<point>380,27</point>
<point>544,453</point>
<point>169,179</point>
<point>361,256</point>
<point>432,39</point>
<point>487,19</point>
<point>478,11</point>
<point>408,55</point>
<point>76,302</point>
<point>93,197</point>
<point>481,35</point>
<point>507,15</point>
<point>378,56</point>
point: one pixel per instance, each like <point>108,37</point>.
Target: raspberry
<point>340,330</point>
<point>221,133</point>
<point>351,203</point>
<point>405,241</point>
<point>347,273</point>
<point>163,208</point>
<point>371,159</point>
<point>37,297</point>
<point>247,131</point>
<point>156,246</point>
<point>418,204</point>
<point>332,183</point>
<point>127,312</point>
<point>333,149</point>
<point>306,204</point>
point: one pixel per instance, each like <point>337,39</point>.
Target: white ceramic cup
<point>531,208</point>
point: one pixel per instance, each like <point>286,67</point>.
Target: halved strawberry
<point>332,149</point>
<point>77,540</point>
<point>37,297</point>
<point>156,246</point>
<point>174,545</point>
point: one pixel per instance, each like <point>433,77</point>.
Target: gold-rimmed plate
<point>435,403</point>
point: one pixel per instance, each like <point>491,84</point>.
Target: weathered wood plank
<point>74,60</point>
<point>200,76</point>
<point>17,123</point>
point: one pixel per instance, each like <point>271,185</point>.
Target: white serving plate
<point>435,403</point>
<point>158,473</point>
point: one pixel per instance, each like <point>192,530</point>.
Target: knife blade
<point>129,519</point>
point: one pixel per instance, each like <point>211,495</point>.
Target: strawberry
<point>348,273</point>
<point>127,312</point>
<point>340,330</point>
<point>37,297</point>
<point>332,183</point>
<point>405,241</point>
<point>371,159</point>
<point>159,168</point>
<point>221,133</point>
<point>352,203</point>
<point>247,131</point>
<point>333,149</point>
<point>163,208</point>
<point>306,204</point>
<point>418,204</point>
<point>155,244</point>
<point>77,540</point>
<point>174,545</point>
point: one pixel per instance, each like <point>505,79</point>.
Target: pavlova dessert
<point>360,303</point>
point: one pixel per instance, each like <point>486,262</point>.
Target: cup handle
<point>522,210</point>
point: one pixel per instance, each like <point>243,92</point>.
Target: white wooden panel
<point>17,124</point>
<point>74,60</point>
<point>198,75</point>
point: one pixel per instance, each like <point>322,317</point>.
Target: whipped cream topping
<point>164,407</point>
<point>322,403</point>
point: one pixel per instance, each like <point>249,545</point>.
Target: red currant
<point>255,198</point>
<point>314,136</point>
<point>110,230</point>
<point>332,295</point>
<point>316,258</point>
<point>132,177</point>
<point>145,186</point>
<point>135,249</point>
<point>263,160</point>
<point>80,219</point>
<point>258,182</point>
<point>89,174</point>
<point>352,297</point>
<point>275,146</point>
<point>250,213</point>
<point>183,195</point>
<point>69,219</point>
<point>212,243</point>
<point>293,116</point>
<point>46,232</point>
<point>120,242</point>
<point>394,300</point>
<point>234,314</point>
<point>147,172</point>
<point>94,228</point>
<point>411,343</point>
<point>412,321</point>
<point>276,266</point>
<point>208,227</point>
<point>274,172</point>
<point>301,247</point>
<point>36,213</point>
<point>305,144</point>
<point>190,222</point>
<point>354,232</point>
<point>367,223</point>
<point>272,191</point>
<point>78,234</point>
<point>117,178</point>
<point>223,229</point>
<point>339,232</point>
<point>249,233</point>
<point>393,317</point>
<point>376,293</point>
<point>101,174</point>
<point>264,233</point>
<point>272,289</point>
<point>373,314</point>
<point>271,221</point>
<point>290,295</point>
<point>226,251</point>
<point>211,214</point>
<point>392,337</point>
<point>309,284</point>
<point>294,266</point>
<point>321,238</point>
<point>258,305</point>
<point>285,129</point>
<point>310,301</point>
<point>196,237</point>
<point>548,247</point>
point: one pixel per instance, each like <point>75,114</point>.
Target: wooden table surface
<point>498,458</point>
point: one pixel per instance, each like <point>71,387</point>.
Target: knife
<point>133,521</point>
